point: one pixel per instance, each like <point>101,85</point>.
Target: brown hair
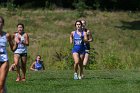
<point>78,21</point>
<point>37,56</point>
<point>20,24</point>
<point>2,19</point>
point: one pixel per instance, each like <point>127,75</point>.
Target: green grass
<point>115,81</point>
<point>116,36</point>
<point>116,43</point>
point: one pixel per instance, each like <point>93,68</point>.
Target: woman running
<point>87,44</point>
<point>4,62</point>
<point>78,38</point>
<point>22,39</point>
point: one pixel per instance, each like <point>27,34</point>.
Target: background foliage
<point>116,36</point>
<point>92,4</point>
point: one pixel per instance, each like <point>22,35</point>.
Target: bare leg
<point>85,62</point>
<point>81,65</point>
<point>16,61</point>
<point>86,58</point>
<point>3,74</point>
<point>12,67</point>
<point>23,66</point>
<point>76,61</point>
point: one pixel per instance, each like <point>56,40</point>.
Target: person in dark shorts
<point>4,61</point>
<point>87,44</point>
<point>78,38</point>
<point>22,39</point>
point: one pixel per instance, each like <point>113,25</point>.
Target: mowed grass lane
<point>58,81</point>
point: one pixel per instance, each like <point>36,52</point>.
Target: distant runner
<point>22,39</point>
<point>87,44</point>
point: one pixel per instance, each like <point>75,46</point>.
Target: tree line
<point>70,4</point>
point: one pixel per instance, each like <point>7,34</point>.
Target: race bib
<point>78,42</point>
<point>1,50</point>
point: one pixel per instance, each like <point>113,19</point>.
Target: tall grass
<point>116,37</point>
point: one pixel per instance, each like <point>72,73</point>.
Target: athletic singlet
<point>38,65</point>
<point>78,43</point>
<point>21,48</point>
<point>3,51</point>
<point>87,45</point>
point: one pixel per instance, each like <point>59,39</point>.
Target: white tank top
<point>3,51</point>
<point>21,48</point>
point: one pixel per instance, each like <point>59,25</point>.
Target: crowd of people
<point>80,38</point>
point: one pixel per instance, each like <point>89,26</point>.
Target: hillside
<point>116,36</point>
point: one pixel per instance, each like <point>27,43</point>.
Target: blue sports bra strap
<point>82,33</point>
<point>75,32</point>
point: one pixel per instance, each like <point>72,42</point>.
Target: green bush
<point>111,61</point>
<point>63,59</point>
<point>80,7</point>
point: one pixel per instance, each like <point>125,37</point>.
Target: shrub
<point>80,7</point>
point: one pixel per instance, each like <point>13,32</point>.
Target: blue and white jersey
<point>21,48</point>
<point>78,42</point>
<point>3,51</point>
<point>38,65</point>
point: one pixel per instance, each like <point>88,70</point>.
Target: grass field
<point>115,81</point>
<point>116,36</point>
<point>115,69</point>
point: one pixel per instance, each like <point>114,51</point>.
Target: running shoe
<point>80,77</point>
<point>75,76</point>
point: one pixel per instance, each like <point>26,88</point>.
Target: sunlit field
<point>115,81</point>
<point>114,65</point>
<point>116,35</point>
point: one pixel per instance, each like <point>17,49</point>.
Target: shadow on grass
<point>134,25</point>
<point>99,77</point>
<point>50,79</point>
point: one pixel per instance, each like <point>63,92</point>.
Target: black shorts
<point>22,54</point>
<point>2,62</point>
<point>87,51</point>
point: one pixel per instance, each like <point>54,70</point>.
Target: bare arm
<point>26,42</point>
<point>85,37</point>
<point>12,67</point>
<point>13,46</point>
<point>32,67</point>
<point>71,37</point>
<point>90,38</point>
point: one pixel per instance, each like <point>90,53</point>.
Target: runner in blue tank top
<point>38,64</point>
<point>78,43</point>
<point>4,61</point>
<point>77,38</point>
